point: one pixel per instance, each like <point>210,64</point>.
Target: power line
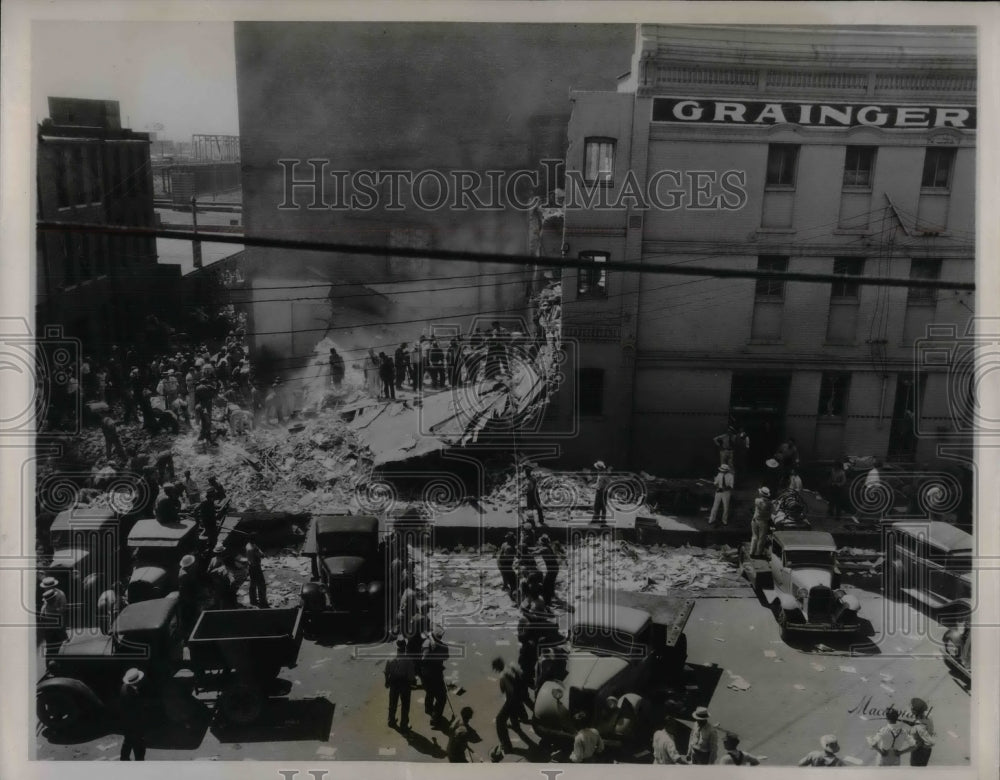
<point>500,258</point>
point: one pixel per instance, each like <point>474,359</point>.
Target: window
<point>592,392</point>
<point>848,266</point>
<point>599,161</point>
<point>79,175</point>
<point>923,269</point>
<point>781,164</point>
<point>592,282</point>
<point>858,165</point>
<point>833,394</point>
<point>771,288</point>
<point>69,260</point>
<point>938,162</point>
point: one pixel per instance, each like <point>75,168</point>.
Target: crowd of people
<point>432,363</point>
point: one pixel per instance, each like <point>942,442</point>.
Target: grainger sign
<point>687,110</point>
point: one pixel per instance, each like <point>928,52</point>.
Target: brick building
<point>802,149</point>
<point>99,288</point>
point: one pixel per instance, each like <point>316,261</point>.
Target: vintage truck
<point>622,648</point>
<point>87,557</point>
<point>348,566</point>
<point>930,562</point>
<point>157,550</point>
<point>236,655</point>
<point>800,581</point>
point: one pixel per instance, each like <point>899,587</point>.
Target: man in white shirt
<point>724,482</point>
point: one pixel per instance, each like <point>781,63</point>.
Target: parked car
<point>800,582</point>
<point>620,650</point>
<point>234,652</point>
<point>157,550</point>
<point>348,566</point>
<point>931,563</point>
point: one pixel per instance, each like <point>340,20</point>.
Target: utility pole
<point>195,245</point>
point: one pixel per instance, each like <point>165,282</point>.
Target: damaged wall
<point>414,97</point>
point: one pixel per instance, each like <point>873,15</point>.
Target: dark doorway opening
<point>757,403</point>
<point>905,412</point>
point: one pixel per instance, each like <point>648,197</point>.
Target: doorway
<point>905,411</point>
<point>757,403</point>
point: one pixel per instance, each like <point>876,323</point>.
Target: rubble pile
<point>465,584</point>
<point>310,466</point>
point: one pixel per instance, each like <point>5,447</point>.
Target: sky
<point>181,75</point>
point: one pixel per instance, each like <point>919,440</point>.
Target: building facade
<point>808,150</point>
<point>99,288</point>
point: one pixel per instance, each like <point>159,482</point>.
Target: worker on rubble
<point>551,561</point>
<point>433,657</point>
<point>401,360</point>
<point>208,517</point>
<point>533,501</point>
<point>149,490</point>
<point>258,585</point>
<point>505,562</point>
<point>111,438</point>
<point>601,493</point>
<point>191,490</point>
<point>165,466</point>
<point>168,506</point>
<point>387,375</point>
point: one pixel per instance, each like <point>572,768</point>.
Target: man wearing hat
<point>726,443</point>
<point>723,494</point>
<point>54,614</point>
<point>665,740</point>
<point>433,657</point>
<point>891,741</point>
<point>258,585</point>
<point>133,716</point>
<point>505,562</point>
<point>512,711</point>
<point>187,588</point>
<point>112,441</point>
<point>760,524</point>
<point>702,747</point>
<point>551,561</point>
<point>601,493</point>
<point>168,506</point>
<point>400,675</point>
<point>733,755</point>
<point>533,501</point>
<point>921,732</point>
<point>222,579</point>
<point>825,757</point>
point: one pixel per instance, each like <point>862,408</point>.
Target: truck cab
<point>617,654</point>
<point>157,550</point>
<point>348,565</point>
<point>85,675</point>
<point>87,558</point>
<point>931,563</point>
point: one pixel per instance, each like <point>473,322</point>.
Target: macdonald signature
<point>865,708</point>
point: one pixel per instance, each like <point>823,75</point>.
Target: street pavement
<point>332,706</point>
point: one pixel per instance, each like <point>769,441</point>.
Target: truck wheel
<point>781,617</point>
<point>58,709</point>
<point>241,703</point>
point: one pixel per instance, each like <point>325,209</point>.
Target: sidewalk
<point>468,525</point>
